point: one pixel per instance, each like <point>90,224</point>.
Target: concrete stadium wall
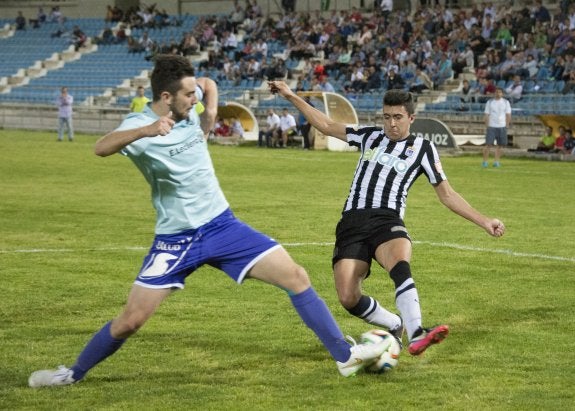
<point>91,120</point>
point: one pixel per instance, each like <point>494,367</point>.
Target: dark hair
<point>169,70</point>
<point>396,97</point>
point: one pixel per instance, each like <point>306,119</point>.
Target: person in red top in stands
<point>560,141</point>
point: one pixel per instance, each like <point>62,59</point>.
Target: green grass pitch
<point>75,228</point>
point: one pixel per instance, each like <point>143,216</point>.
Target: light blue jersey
<point>185,191</point>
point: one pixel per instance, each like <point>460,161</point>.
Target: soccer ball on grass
<point>390,357</point>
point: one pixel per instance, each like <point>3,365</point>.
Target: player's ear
<point>166,97</point>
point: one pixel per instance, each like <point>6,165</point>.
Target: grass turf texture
<point>75,228</point>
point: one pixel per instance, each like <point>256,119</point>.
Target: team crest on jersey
<point>409,152</point>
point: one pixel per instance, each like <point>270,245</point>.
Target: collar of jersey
<point>151,113</point>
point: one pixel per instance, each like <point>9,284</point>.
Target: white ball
<point>390,357</point>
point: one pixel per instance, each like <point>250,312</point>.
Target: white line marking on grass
<point>495,251</point>
<point>315,244</point>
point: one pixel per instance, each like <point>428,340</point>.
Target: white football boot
<point>49,378</point>
<point>362,355</point>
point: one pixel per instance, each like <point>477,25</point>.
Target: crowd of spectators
<point>357,51</point>
<point>563,143</point>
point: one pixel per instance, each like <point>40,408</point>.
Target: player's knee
<point>299,279</point>
<point>126,326</point>
<point>400,273</point>
<point>348,298</point>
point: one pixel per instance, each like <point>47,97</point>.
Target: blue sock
<point>100,347</point>
<point>317,316</point>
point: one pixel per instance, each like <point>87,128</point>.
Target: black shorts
<point>360,232</point>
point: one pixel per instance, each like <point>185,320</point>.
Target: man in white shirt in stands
<point>273,127</point>
<point>288,127</point>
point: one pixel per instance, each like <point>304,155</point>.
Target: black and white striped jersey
<point>387,169</point>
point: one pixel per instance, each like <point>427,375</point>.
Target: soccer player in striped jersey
<point>371,226</point>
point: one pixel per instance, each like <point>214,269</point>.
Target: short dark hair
<point>397,97</point>
<point>169,70</point>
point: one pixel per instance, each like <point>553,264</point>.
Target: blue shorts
<point>496,134</point>
<point>225,243</point>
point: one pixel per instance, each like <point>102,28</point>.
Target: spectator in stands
<point>515,90</point>
<point>237,16</point>
<point>143,44</point>
<point>325,85</point>
<point>305,126</point>
<point>569,143</point>
<point>64,103</point>
<point>394,80</point>
<point>253,10</point>
<point>487,90</point>
<point>570,83</point>
<point>221,129</point>
<point>540,12</point>
<point>546,142</point>
<point>444,70</point>
<point>229,41</point>
<point>107,37</point>
<point>236,128</point>
<point>260,50</point>
<point>357,78</point>
<point>560,140</point>
<point>252,69</point>
<point>385,7</point>
<point>497,120</point>
<point>40,19</point>
<point>288,5</point>
<point>56,15</point>
<point>20,21</point>
<point>288,128</point>
<point>462,60</point>
<point>139,102</point>
<point>503,36</point>
<point>189,45</point>
<point>467,95</point>
<point>272,128</point>
<point>41,16</point>
<point>373,81</point>
<point>246,51</point>
<point>277,69</point>
<point>529,68</point>
<point>421,82</point>
<point>79,38</point>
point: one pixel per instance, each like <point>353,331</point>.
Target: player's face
<point>183,101</point>
<point>396,122</point>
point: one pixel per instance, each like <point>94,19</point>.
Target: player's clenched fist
<point>163,125</point>
<point>279,87</point>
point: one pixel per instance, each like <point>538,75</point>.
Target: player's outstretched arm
<point>208,117</point>
<point>453,200</point>
<point>115,141</point>
<point>315,117</point>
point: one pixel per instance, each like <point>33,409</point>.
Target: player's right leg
<point>349,275</point>
<point>278,268</point>
<point>141,305</point>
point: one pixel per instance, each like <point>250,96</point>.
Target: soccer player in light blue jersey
<point>195,225</point>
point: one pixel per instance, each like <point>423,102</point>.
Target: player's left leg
<point>142,303</point>
<point>394,256</point>
<point>349,274</point>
